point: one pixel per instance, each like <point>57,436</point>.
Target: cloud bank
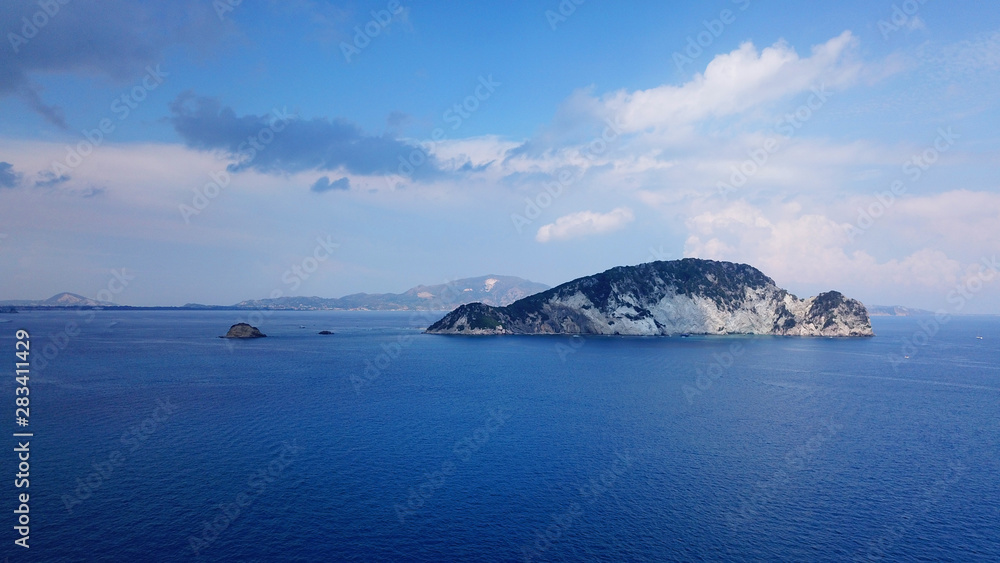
<point>585,223</point>
<point>282,143</point>
<point>114,39</point>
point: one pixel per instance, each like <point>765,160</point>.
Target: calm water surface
<point>156,441</point>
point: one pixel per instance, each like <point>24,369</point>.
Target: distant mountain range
<point>895,311</point>
<point>495,291</point>
<point>60,300</point>
<point>491,290</point>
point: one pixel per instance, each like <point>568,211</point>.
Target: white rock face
<point>666,298</point>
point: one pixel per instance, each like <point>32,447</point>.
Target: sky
<point>212,151</point>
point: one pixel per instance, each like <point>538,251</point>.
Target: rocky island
<point>689,296</point>
<point>243,330</point>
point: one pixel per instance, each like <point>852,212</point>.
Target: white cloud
<point>734,83</point>
<point>810,249</point>
<point>652,140</point>
<point>477,152</point>
<point>960,216</point>
<point>976,55</point>
<point>584,223</point>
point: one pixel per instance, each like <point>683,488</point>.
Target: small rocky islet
<point>243,330</point>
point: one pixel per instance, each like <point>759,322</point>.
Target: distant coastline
<point>415,299</point>
<point>490,289</point>
<point>190,308</point>
<point>896,311</point>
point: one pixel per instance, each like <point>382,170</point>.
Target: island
<point>325,332</point>
<point>243,330</point>
<point>664,298</point>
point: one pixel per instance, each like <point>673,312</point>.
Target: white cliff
<point>663,298</point>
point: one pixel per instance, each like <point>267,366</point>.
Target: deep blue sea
<point>154,440</point>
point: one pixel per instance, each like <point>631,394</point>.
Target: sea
<point>154,440</point>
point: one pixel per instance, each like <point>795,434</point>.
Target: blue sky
<point>546,140</point>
